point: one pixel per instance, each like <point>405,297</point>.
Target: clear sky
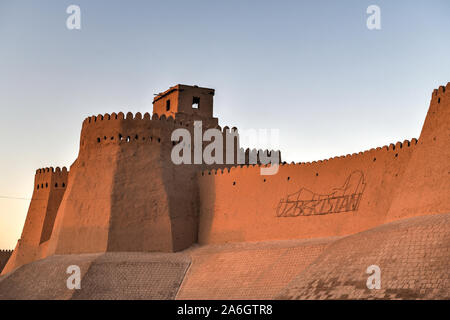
<point>311,69</point>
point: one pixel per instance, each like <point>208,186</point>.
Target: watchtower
<point>187,103</point>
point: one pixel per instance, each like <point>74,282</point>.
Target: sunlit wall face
<point>312,69</point>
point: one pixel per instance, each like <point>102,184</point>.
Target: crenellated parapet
<point>50,178</point>
<point>391,151</point>
<point>112,129</point>
<point>5,252</point>
<point>441,93</point>
<point>120,130</point>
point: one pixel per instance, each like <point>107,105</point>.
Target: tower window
<point>167,105</point>
<point>195,103</point>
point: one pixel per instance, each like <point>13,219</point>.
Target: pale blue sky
<point>309,68</point>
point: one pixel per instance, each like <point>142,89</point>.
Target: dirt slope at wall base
<point>413,254</point>
<point>122,275</point>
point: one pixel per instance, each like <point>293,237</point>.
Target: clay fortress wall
<point>123,192</point>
